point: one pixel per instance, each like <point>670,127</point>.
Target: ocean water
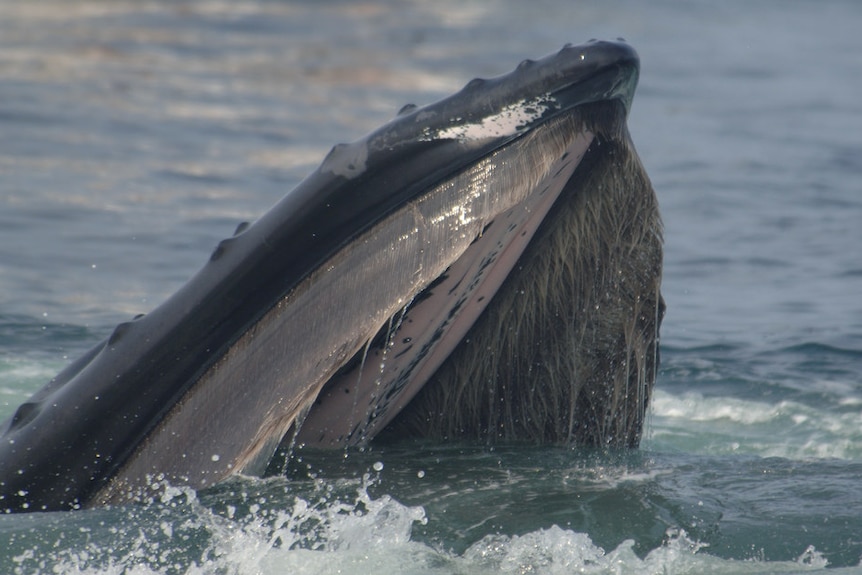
<point>135,135</point>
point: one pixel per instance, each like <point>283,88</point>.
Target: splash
<point>249,530</point>
<point>352,535</point>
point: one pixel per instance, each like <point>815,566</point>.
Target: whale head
<point>485,267</point>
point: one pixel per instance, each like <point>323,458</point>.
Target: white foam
<point>720,425</point>
<point>363,537</point>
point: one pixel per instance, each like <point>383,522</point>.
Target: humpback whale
<point>485,267</point>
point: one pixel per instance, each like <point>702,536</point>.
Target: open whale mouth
<point>489,213</point>
<point>487,266</point>
<point>487,216</point>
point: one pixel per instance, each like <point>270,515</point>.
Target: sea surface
<point>136,135</point>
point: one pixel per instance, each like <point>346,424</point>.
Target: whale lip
<point>66,443</point>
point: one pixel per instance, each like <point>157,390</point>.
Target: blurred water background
<point>135,135</point>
